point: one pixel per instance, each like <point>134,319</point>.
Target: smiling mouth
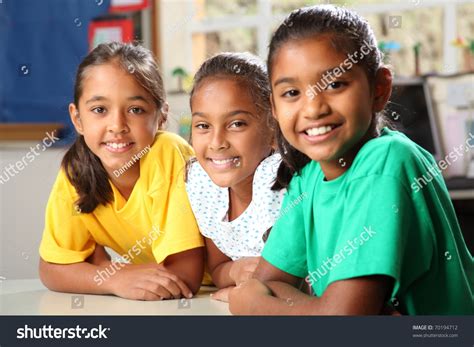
<point>322,130</point>
<point>227,162</point>
<point>118,147</point>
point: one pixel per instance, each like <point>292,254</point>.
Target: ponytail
<point>292,162</point>
<point>87,175</point>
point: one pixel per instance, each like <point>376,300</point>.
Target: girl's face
<point>228,136</point>
<point>329,124</point>
<point>116,116</point>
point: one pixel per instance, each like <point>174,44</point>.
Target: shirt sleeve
<point>286,245</point>
<point>172,211</point>
<point>65,238</point>
<point>379,231</point>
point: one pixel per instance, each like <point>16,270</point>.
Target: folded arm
<point>273,292</point>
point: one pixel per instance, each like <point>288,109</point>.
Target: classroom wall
<point>23,201</point>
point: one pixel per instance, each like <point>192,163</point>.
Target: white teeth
<point>221,162</point>
<point>319,131</point>
<point>236,161</point>
<point>117,145</point>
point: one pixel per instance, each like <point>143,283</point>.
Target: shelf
<point>27,131</point>
<point>460,188</point>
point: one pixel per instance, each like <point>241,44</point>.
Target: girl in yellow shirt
<point>121,185</point>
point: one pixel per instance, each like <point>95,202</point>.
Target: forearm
<point>221,275</point>
<point>285,300</point>
<point>80,277</point>
<point>291,295</point>
<point>357,296</point>
<point>188,266</point>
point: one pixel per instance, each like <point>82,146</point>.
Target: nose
<point>218,140</point>
<point>118,123</point>
<point>316,107</point>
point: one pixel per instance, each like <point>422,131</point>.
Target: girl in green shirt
<point>354,228</point>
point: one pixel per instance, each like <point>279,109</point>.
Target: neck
<point>334,168</point>
<point>126,181</point>
<point>240,197</point>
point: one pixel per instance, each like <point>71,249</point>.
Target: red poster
<point>110,30</point>
<point>128,5</point>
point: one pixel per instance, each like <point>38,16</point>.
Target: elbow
<point>194,286</point>
<point>47,276</point>
<point>188,266</point>
<point>194,281</point>
<point>44,274</point>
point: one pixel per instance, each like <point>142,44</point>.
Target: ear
<point>382,90</point>
<point>164,111</point>
<point>75,118</point>
<point>274,114</point>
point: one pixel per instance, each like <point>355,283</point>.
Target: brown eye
<point>291,93</point>
<point>136,110</point>
<point>237,124</point>
<point>202,126</point>
<point>98,110</point>
<point>335,85</point>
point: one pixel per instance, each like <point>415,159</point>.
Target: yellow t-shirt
<point>155,222</point>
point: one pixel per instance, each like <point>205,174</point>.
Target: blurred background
<point>428,43</point>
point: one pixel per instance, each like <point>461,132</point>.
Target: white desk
<point>30,297</point>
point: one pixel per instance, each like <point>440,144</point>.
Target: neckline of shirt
<point>333,185</point>
<point>224,211</point>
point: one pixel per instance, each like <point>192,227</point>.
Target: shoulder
<point>391,154</point>
<point>264,178</point>
<point>169,144</point>
<point>169,152</point>
<point>267,170</point>
<point>394,143</point>
<point>197,176</point>
<point>63,189</point>
<point>164,161</point>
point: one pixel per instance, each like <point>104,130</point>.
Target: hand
<point>244,297</point>
<point>243,269</point>
<point>222,294</point>
<point>145,282</point>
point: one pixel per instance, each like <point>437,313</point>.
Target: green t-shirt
<point>381,217</point>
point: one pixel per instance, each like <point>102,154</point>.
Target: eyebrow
<point>226,115</point>
<point>103,98</point>
<point>284,80</point>
<point>322,73</point>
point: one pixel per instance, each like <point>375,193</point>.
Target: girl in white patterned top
<point>230,184</point>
